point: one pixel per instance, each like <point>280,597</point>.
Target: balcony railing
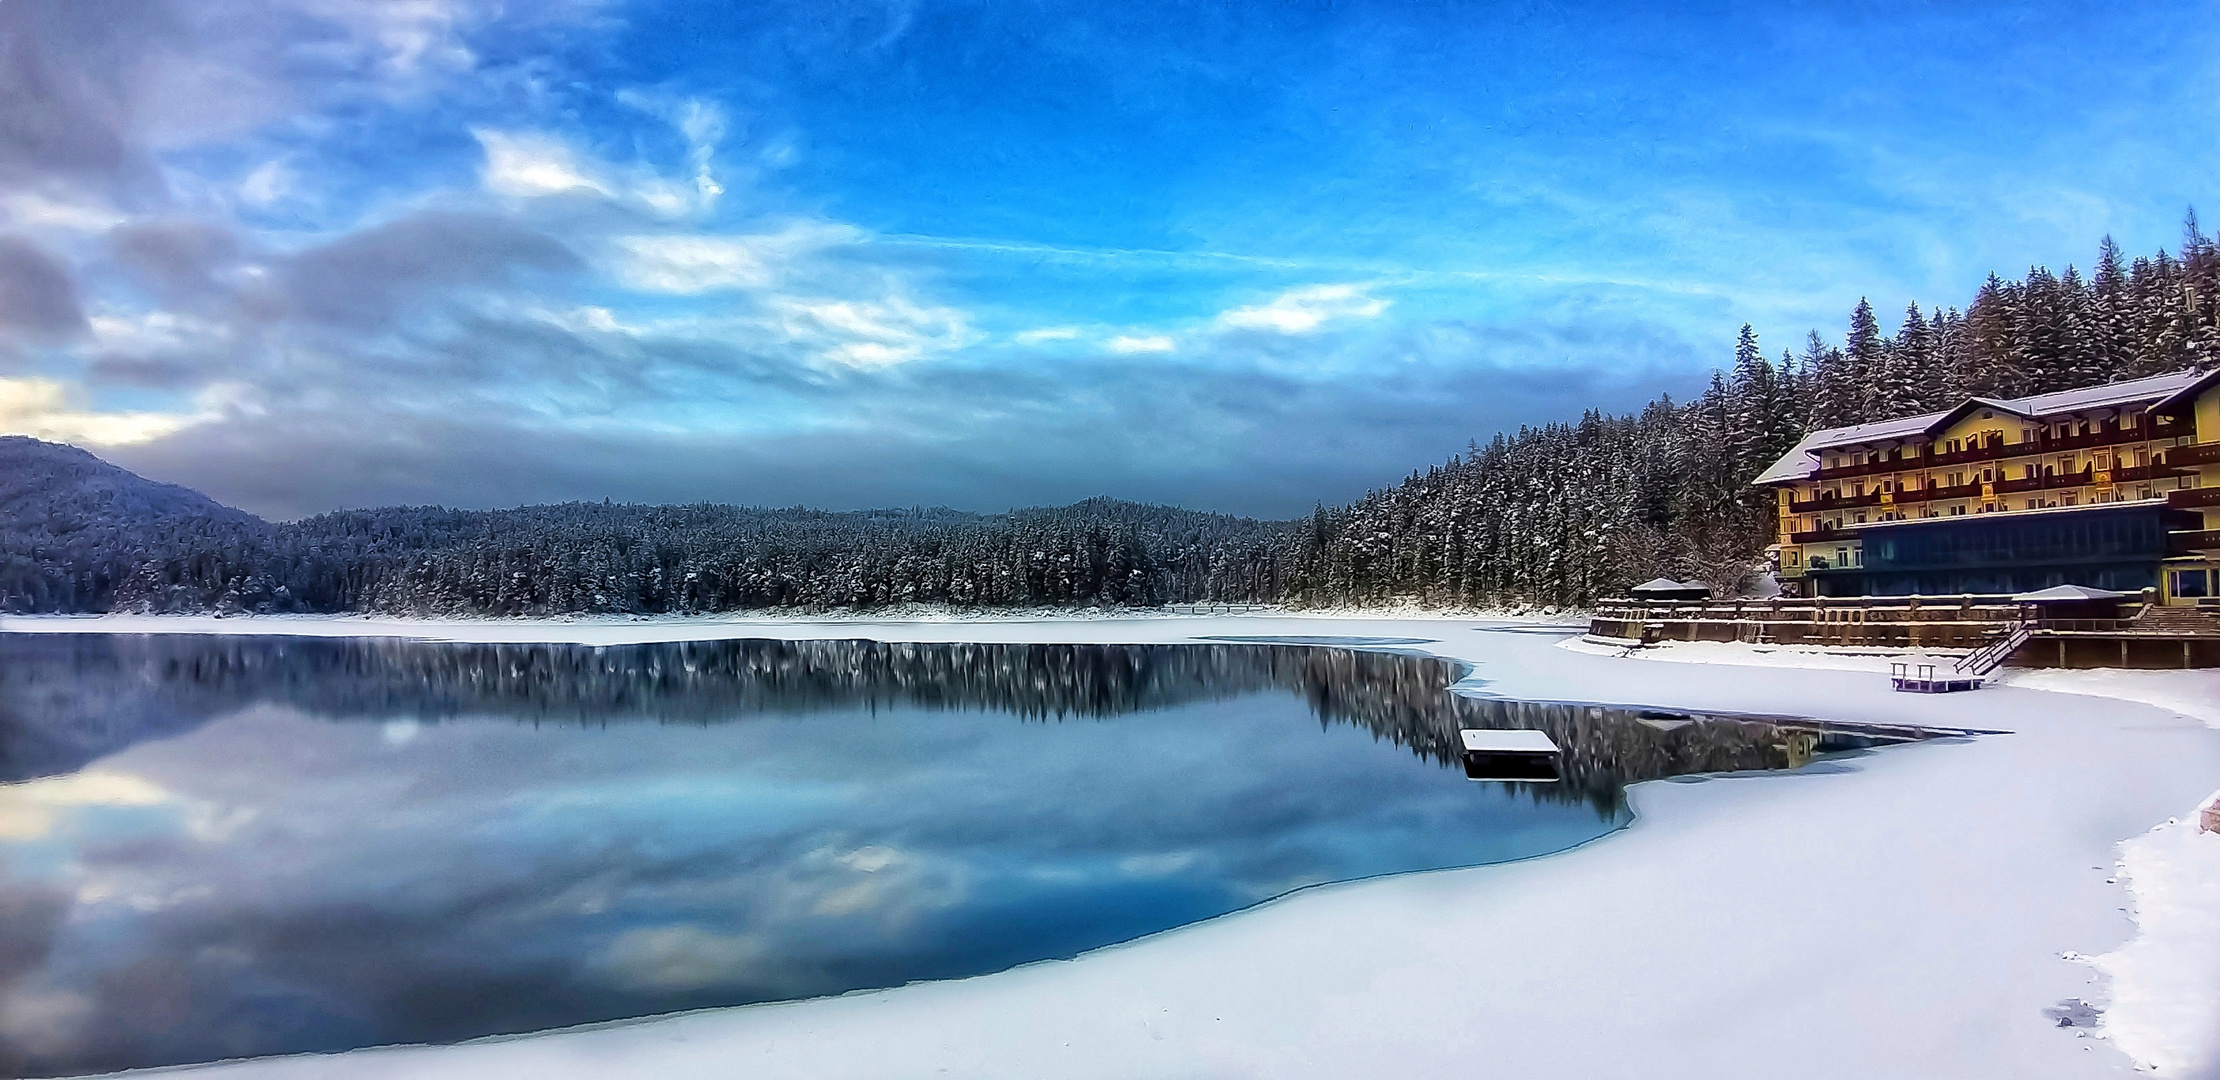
<point>2192,498</point>
<point>2159,470</point>
<point>1825,503</point>
<point>1820,536</point>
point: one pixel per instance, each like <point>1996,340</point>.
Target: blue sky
<point>307,254</point>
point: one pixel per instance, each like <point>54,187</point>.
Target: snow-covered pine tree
<point>1865,368</point>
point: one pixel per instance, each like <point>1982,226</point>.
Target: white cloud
<point>1153,343</point>
<point>696,264</point>
<point>33,210</point>
<point>151,332</point>
<point>1300,311</point>
<point>872,334</point>
<point>270,181</point>
<point>525,164</point>
<point>1048,333</point>
<point>46,409</point>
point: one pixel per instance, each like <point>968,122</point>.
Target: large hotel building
<point>2112,487</point>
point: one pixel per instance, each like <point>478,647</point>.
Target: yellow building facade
<point>2113,487</point>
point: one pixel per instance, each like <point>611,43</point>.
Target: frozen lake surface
<point>217,847</point>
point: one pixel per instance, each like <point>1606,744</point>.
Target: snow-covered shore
<point>1908,913</point>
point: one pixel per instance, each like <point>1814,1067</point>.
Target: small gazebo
<point>1668,589</point>
<point>2073,602</point>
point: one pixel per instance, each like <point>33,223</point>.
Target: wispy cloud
<point>528,164</point>
<point>1046,333</point>
<point>686,263</point>
<point>1300,311</point>
<point>1142,343</point>
<point>873,334</point>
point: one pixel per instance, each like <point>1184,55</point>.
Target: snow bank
<point>1906,913</point>
<point>2165,1007</point>
<point>2191,693</point>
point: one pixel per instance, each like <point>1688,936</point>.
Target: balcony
<point>2133,474</point>
<point>1820,536</point>
<point>2182,457</point>
<point>2194,542</point>
<point>1825,503</point>
<point>2193,498</point>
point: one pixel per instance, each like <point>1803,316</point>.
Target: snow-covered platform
<point>1511,755</point>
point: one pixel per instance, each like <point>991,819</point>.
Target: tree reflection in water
<point>66,699</point>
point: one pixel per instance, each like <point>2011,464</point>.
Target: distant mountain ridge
<point>78,534</point>
<point>57,483</point>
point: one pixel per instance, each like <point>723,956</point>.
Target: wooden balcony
<point>2193,498</point>
<point>1820,536</point>
<point>2194,542</point>
<point>1824,503</point>
<point>2135,474</point>
<point>2193,455</point>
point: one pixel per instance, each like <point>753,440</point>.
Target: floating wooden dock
<point>1520,755</point>
<point>1921,679</point>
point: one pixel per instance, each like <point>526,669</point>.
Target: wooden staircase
<point>1987,658</point>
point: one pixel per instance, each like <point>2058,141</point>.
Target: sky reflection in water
<point>218,847</point>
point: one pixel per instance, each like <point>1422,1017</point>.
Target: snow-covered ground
<point>1923,911</point>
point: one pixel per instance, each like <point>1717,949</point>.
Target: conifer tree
<point>1864,367</point>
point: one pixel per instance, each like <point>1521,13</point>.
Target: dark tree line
<point>621,558</point>
<point>1559,515</point>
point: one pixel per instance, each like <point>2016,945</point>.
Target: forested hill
<point>75,530</point>
<point>1567,513</point>
<point>78,534</point>
<point>1558,515</point>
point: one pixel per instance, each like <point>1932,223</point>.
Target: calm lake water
<point>222,847</point>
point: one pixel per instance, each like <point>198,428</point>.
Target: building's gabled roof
<point>1803,458</point>
<point>2181,398</point>
<point>1942,420</point>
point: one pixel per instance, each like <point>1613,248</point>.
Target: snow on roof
<point>1667,585</point>
<point>2119,393</point>
<point>1794,465</point>
<point>2066,592</point>
<point>1507,741</point>
<point>1803,458</point>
